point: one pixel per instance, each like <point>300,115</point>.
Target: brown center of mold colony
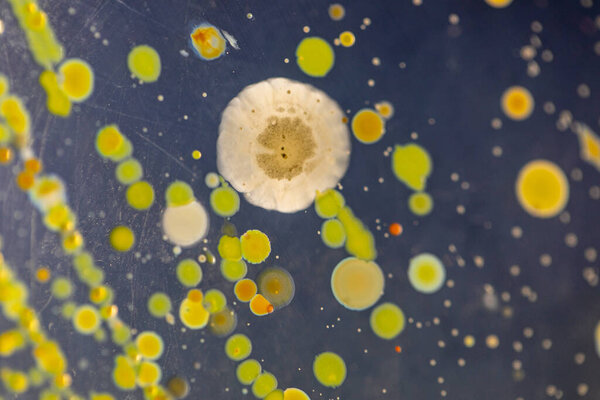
<point>291,143</point>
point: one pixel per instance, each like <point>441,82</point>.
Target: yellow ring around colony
<point>281,141</point>
<point>426,273</point>
<point>542,188</point>
<point>357,284</point>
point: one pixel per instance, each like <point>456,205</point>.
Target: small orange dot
<point>25,180</point>
<point>345,120</point>
<point>395,229</point>
<point>398,349</point>
<point>33,165</point>
<point>195,295</point>
<point>42,274</point>
<point>6,155</point>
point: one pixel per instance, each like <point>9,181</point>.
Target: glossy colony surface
<point>299,200</point>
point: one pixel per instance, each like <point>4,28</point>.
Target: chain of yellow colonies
<point>247,371</point>
<point>387,321</point>
<point>189,273</point>
<point>426,273</point>
<point>178,194</point>
<point>11,341</point>
<point>123,374</point>
<point>192,312</point>
<point>233,271</point>
<point>57,101</point>
<point>230,248</point>
<point>359,240</point>
<point>76,79</point>
<point>129,171</point>
<point>420,203</point>
<point>149,373</point>
<point>329,203</point>
<point>150,345</point>
<point>224,201</point>
<point>44,47</point>
<point>144,63</point>
<point>367,126</point>
<point>14,381</point>
<point>264,384</point>
<point>517,103</point>
<point>589,144</point>
<point>333,233</point>
<point>238,347</point>
<point>222,323</point>
<point>542,188</point>
<point>13,299</point>
<point>16,116</point>
<point>6,137</point>
<point>329,369</point>
<point>412,165</point>
<point>315,56</point>
<point>112,144</point>
<point>256,246</point>
<point>207,42</point>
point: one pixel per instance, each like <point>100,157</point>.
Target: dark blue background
<point>456,80</point>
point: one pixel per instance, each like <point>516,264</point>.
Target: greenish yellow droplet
<point>315,56</point>
<point>225,201</point>
<point>144,63</point>
<point>247,371</point>
<point>329,369</point>
<point>129,171</point>
<point>189,273</point>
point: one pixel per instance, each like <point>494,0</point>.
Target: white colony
<point>185,225</point>
<point>281,141</point>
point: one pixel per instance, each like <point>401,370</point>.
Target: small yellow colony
<point>367,126</point>
<point>122,238</point>
<point>192,312</point>
<point>256,246</point>
<point>517,103</point>
<point>412,165</point>
<point>315,56</point>
<point>86,319</point>
<point>238,347</point>
<point>387,321</point>
<point>329,369</point>
<point>426,273</point>
<point>144,63</point>
<point>542,188</point>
